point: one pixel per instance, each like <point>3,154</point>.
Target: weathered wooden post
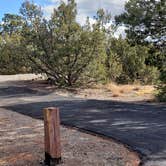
<point>52,136</point>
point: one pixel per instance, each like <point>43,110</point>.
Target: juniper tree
<point>60,47</point>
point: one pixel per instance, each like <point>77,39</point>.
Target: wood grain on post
<point>52,135</point>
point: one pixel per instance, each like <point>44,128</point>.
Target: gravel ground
<point>4,78</point>
<point>21,144</point>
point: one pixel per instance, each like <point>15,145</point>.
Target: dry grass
<point>146,90</point>
<point>115,95</point>
<point>121,90</point>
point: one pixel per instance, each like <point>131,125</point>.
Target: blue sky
<point>12,6</point>
<point>8,6</point>
<point>85,7</point>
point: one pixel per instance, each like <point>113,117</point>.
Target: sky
<point>85,8</point>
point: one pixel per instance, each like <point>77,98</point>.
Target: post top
<point>51,108</point>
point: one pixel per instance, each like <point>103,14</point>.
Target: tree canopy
<point>145,21</point>
<point>60,47</point>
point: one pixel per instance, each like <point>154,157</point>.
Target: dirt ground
<point>110,91</point>
<point>124,93</point>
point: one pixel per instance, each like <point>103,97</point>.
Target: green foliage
<point>113,60</point>
<point>145,19</point>
<point>30,12</point>
<point>11,51</point>
<point>11,24</point>
<point>149,75</point>
<point>145,22</point>
<point>11,55</point>
<point>126,63</point>
<point>162,84</point>
<point>60,47</point>
<point>71,54</point>
<point>162,87</point>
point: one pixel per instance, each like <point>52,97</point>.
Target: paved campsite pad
<point>141,125</point>
<point>21,144</point>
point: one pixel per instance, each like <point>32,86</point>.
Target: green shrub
<point>149,75</point>
<point>161,95</point>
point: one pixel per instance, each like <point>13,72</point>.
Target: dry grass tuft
<point>136,89</point>
<point>146,90</point>
<point>120,90</point>
<point>115,95</point>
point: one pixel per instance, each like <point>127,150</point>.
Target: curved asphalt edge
<point>136,152</point>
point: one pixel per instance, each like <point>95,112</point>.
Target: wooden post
<point>52,136</point>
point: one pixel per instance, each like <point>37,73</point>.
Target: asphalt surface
<point>142,126</point>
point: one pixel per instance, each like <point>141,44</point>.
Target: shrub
<point>161,95</point>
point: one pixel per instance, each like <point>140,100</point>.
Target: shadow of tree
<point>23,88</point>
<point>14,91</point>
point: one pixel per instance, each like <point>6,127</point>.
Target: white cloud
<point>120,31</point>
<point>2,22</point>
<point>89,8</point>
<point>48,10</point>
<point>57,1</point>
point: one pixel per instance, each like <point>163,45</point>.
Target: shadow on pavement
<point>23,88</point>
